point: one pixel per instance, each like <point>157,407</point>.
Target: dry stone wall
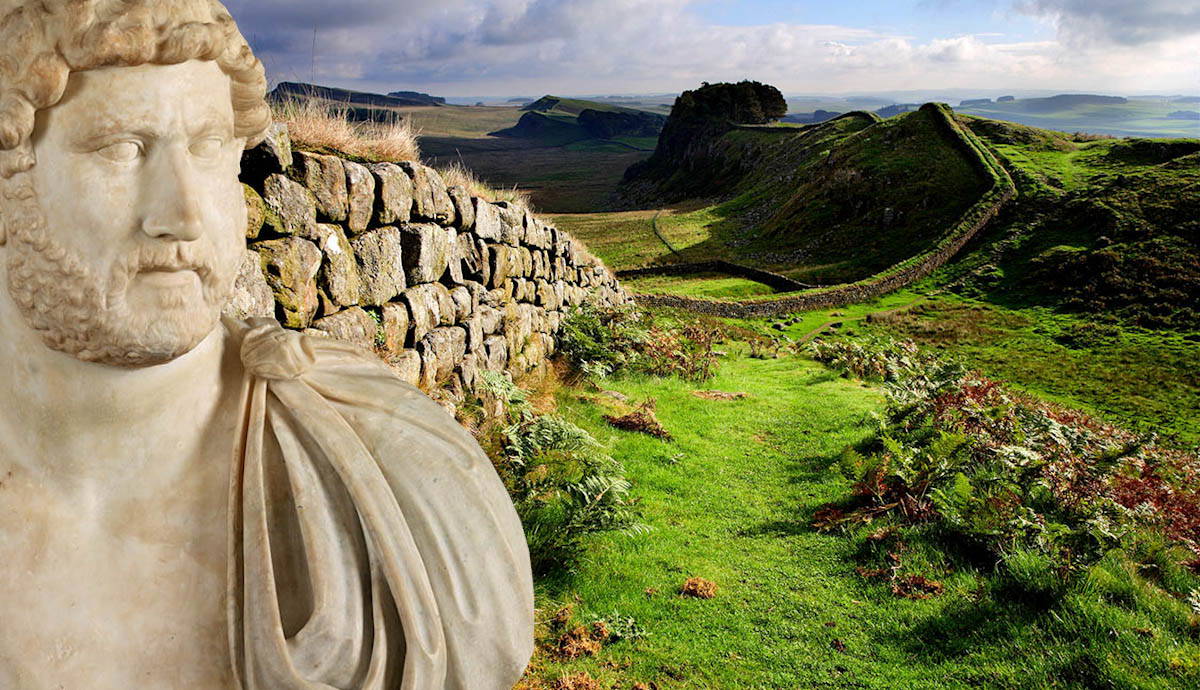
<point>439,283</point>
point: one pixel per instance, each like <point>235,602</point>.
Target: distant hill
<point>290,89</point>
<point>1065,101</point>
<point>896,109</point>
<point>418,97</point>
<point>815,117</point>
<point>556,121</point>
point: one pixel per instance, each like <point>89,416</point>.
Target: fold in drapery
<point>372,545</point>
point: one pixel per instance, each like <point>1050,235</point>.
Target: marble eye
<point>122,151</point>
<point>208,147</point>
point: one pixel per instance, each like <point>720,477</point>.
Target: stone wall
<point>440,284</point>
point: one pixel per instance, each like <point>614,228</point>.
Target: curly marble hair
<point>43,41</point>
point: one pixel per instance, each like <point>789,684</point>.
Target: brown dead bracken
<point>580,641</point>
<point>719,395</point>
<point>699,588</point>
<point>642,419</point>
<point>577,681</point>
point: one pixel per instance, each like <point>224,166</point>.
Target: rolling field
<point>571,178</point>
<point>1137,118</point>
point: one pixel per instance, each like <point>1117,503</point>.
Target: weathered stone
<point>454,261</point>
<point>477,291</point>
<point>441,351</point>
<point>272,156</point>
<point>497,352</point>
<point>393,193</point>
<point>526,256</point>
<point>407,365</point>
<point>339,278</point>
<point>291,266</point>
<point>547,296</point>
<point>395,326</point>
<point>430,200</point>
<point>380,265</point>
<point>426,252</point>
<point>290,208</point>
<point>251,293</point>
<point>352,325</point>
<point>475,334</point>
<point>461,297</point>
<point>360,197</point>
<point>428,305</point>
<point>325,177</point>
<point>488,225</point>
<point>491,319</point>
<point>504,263</point>
<point>469,258</point>
<point>485,261</point>
<point>468,370</point>
<point>464,207</point>
<point>256,211</point>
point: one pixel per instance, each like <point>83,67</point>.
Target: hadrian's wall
<point>439,284</point>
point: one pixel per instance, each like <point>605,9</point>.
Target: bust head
<point>121,131</point>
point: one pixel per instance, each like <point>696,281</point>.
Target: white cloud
<point>529,47</point>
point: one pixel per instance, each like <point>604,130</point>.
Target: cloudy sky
<point>491,48</point>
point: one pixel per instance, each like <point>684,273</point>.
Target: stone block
<point>431,201</point>
<point>407,365</point>
<point>464,207</point>
<point>426,252</point>
<point>360,197</point>
<point>256,211</point>
<point>272,156</point>
<point>496,348</point>
<point>380,265</point>
<point>393,193</point>
<point>488,225</point>
<point>442,349</point>
<point>339,278</point>
<point>429,306</point>
<point>290,207</point>
<point>395,326</point>
<point>251,294</point>
<point>290,265</point>
<point>351,325</point>
<point>461,297</point>
<point>325,177</point>
<point>504,261</point>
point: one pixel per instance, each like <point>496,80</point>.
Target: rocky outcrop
<point>440,284</point>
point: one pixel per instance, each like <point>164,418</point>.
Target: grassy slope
<point>731,499</point>
<point>1140,379</point>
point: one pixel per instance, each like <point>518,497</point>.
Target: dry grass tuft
<point>458,175</point>
<point>699,588</point>
<point>320,124</point>
<point>577,681</point>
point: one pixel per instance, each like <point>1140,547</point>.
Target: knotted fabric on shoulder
<point>372,544</point>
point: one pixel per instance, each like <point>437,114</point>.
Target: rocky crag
<point>440,284</point>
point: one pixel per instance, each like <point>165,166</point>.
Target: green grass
<point>708,284</point>
<point>731,499</point>
<point>1140,379</point>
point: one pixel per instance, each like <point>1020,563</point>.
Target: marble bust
<point>188,501</point>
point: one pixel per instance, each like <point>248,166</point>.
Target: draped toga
<point>372,544</point>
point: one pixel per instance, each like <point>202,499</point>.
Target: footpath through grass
<point>731,499</point>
